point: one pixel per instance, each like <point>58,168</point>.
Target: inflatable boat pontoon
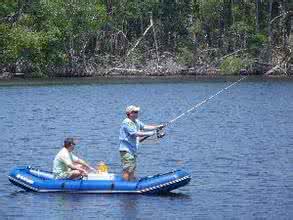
<point>36,180</point>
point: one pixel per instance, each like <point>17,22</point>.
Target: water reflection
<point>128,206</point>
<point>175,195</point>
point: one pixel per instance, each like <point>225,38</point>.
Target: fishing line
<point>197,105</point>
<point>204,101</point>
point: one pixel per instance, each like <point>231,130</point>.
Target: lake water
<point>238,147</point>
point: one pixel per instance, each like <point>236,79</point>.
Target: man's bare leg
<point>128,176</point>
<point>75,174</point>
<point>131,176</point>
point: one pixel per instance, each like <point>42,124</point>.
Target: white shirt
<point>62,161</point>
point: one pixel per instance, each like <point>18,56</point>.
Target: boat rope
<point>204,101</point>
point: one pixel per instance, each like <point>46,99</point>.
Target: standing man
<point>131,131</point>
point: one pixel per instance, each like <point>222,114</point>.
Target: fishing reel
<point>160,133</point>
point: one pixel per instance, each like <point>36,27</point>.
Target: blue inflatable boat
<point>36,180</point>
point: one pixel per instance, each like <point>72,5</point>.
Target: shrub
<point>185,56</point>
<point>233,65</point>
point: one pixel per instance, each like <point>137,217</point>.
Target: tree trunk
<point>290,30</point>
<point>141,24</point>
<point>227,13</point>
<point>227,22</point>
<point>155,39</point>
<point>257,16</point>
<point>270,33</point>
<point>193,21</point>
<point>109,7</point>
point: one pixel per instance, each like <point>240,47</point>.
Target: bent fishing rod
<point>160,135</point>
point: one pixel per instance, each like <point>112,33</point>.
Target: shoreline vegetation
<point>151,39</point>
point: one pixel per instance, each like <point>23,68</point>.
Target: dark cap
<point>69,141</point>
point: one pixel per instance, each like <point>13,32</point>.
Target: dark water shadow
<point>18,192</point>
<point>174,195</point>
<point>178,195</point>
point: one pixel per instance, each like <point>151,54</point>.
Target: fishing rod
<point>159,134</point>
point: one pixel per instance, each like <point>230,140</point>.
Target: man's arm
<point>148,130</point>
<point>74,167</point>
<point>151,130</point>
<point>132,130</point>
<point>144,133</point>
<point>67,160</point>
<point>82,162</point>
<point>153,127</point>
<point>76,160</point>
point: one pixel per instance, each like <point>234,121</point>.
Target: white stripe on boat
<point>23,184</point>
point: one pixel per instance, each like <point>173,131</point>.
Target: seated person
<point>68,166</point>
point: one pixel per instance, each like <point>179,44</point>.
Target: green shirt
<point>62,161</point>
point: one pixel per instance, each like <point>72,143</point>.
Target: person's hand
<point>160,133</point>
<point>84,173</point>
<point>92,169</point>
<point>161,126</point>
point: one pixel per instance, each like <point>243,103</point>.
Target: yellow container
<point>102,167</point>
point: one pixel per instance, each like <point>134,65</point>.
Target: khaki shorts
<point>128,161</point>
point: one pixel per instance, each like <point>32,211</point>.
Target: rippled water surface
<point>238,148</point>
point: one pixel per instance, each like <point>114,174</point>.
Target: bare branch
<point>288,13</point>
<point>231,54</point>
<point>138,41</point>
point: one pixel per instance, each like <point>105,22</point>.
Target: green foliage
<point>244,13</point>
<point>18,42</point>
<point>242,27</point>
<point>185,56</point>
<point>210,10</point>
<point>66,32</point>
<point>135,58</point>
<point>257,41</point>
<point>232,65</point>
<point>7,7</point>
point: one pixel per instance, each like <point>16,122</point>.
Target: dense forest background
<point>106,37</point>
